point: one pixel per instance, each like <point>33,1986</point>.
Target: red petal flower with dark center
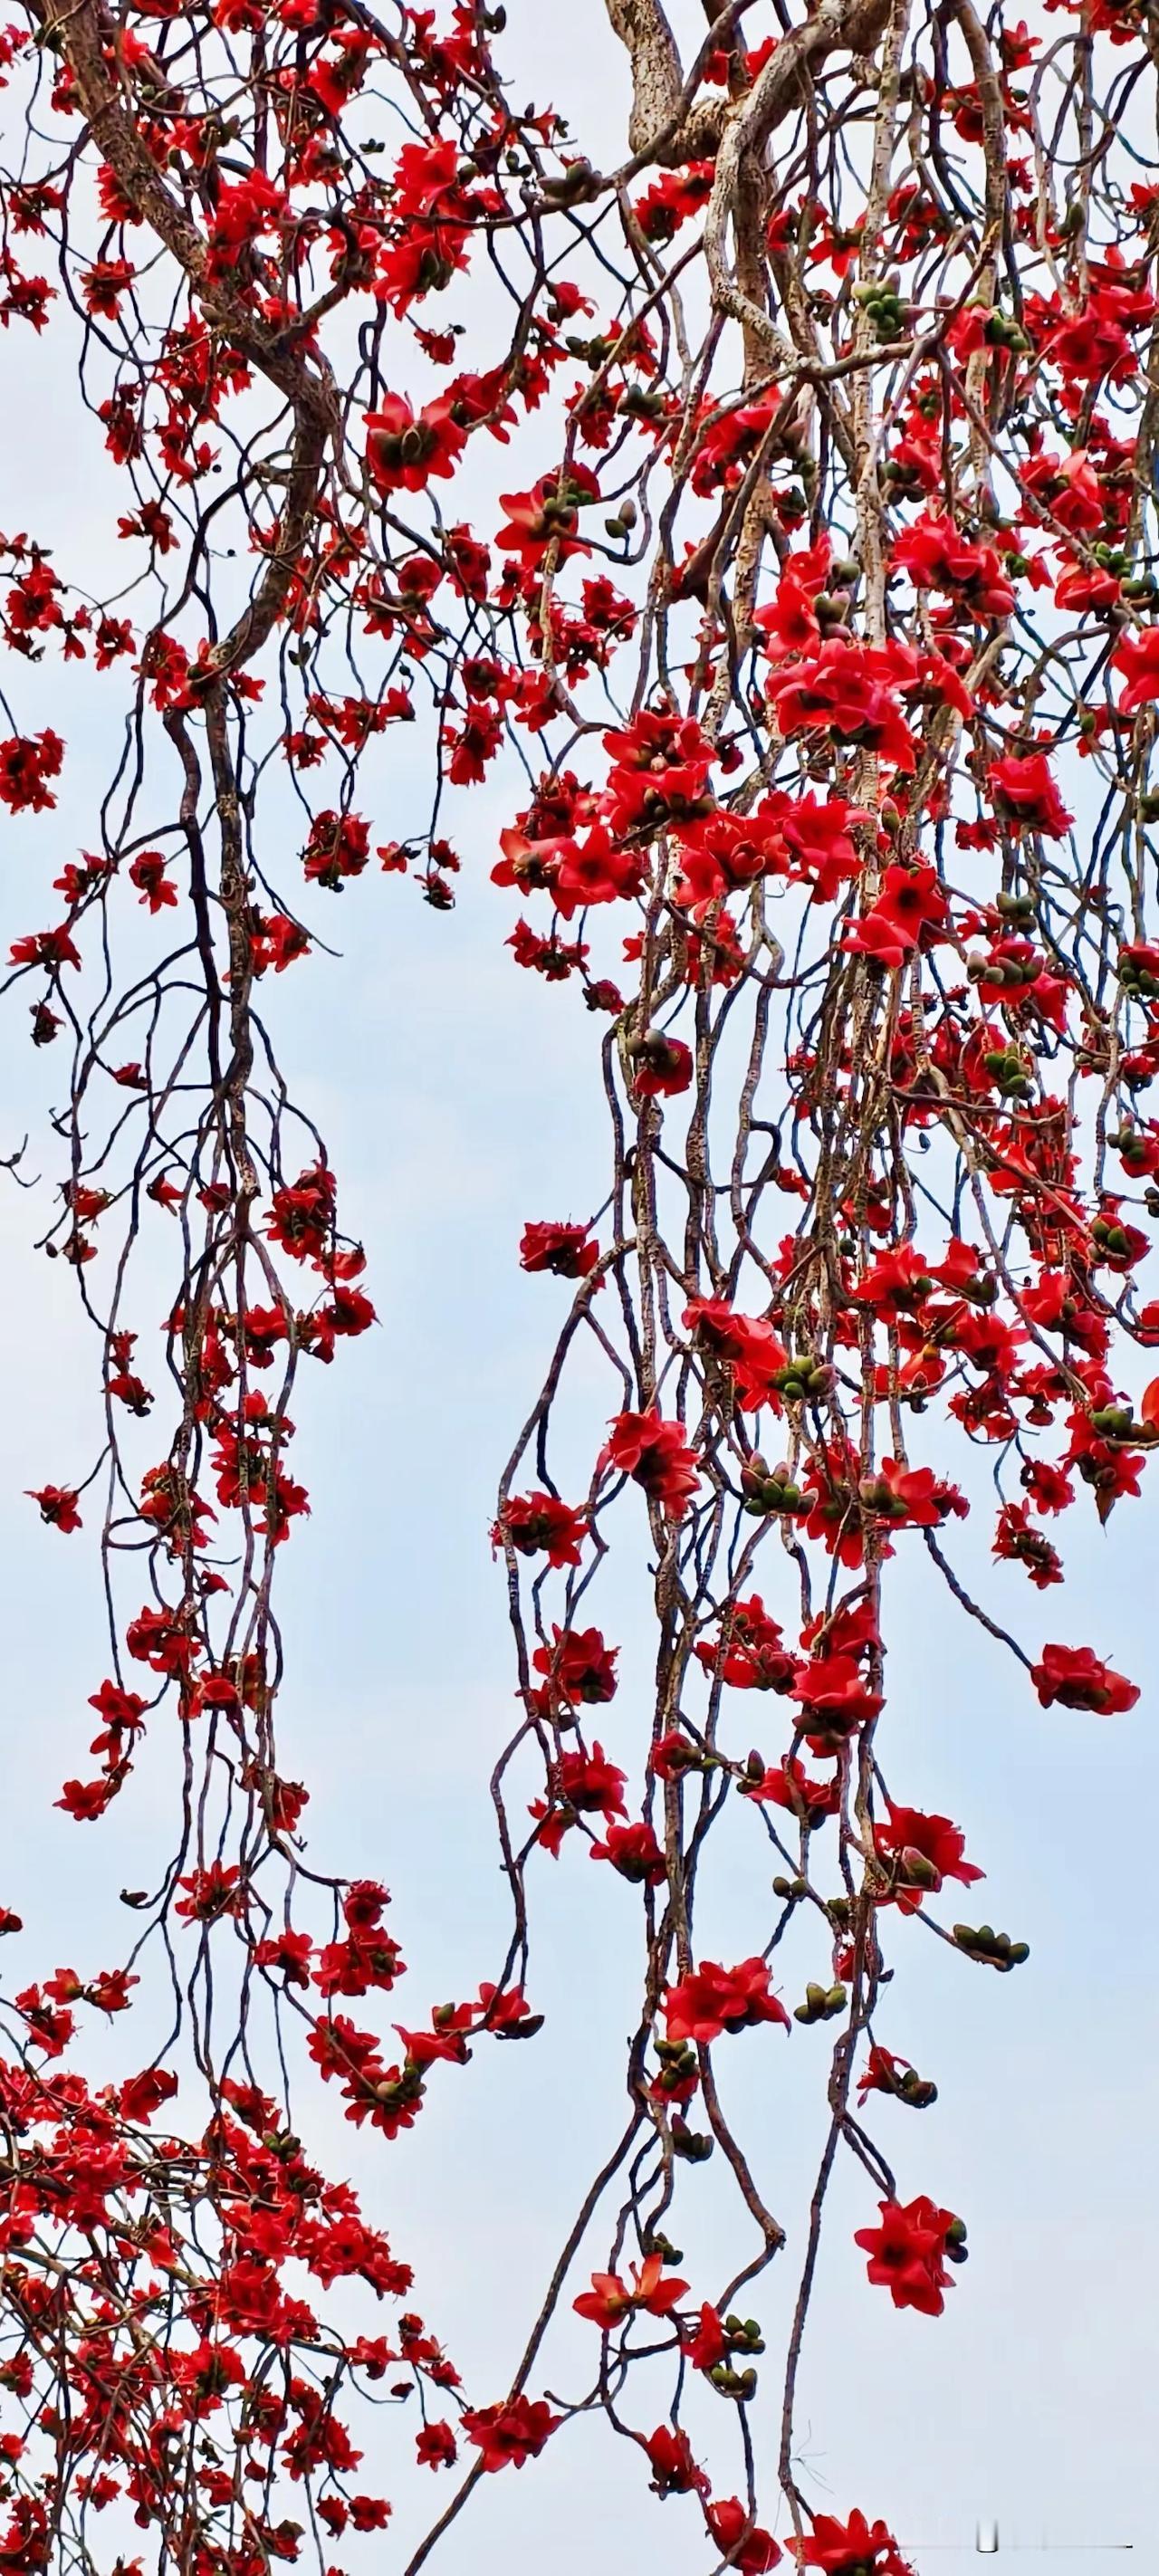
<point>711,1999</point>
<point>509,2435</point>
<point>906,2253</point>
<point>1074,1676</point>
<point>656,1454</point>
<point>853,2548</point>
<point>924,1850</point>
<point>740,2539</point>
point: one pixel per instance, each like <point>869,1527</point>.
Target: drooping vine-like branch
<point>813,650</point>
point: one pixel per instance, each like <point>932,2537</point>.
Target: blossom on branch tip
<point>922,1851</point>
<point>651,2293</point>
<point>709,2000</point>
<point>539,1524</point>
<point>739,2537</point>
<point>674,2471</point>
<point>511,2434</point>
<point>853,2548</point>
<point>906,2253</point>
<point>1075,1677</point>
<point>569,1251</point>
<point>58,1506</point>
<point>656,1455</point>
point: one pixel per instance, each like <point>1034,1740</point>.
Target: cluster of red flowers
<point>764,633</point>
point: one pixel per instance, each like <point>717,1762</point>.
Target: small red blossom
<point>578,1666</point>
<point>436,2447</point>
<point>922,1850</point>
<point>1026,793</point>
<point>1075,1677</point>
<point>540,1525</point>
<point>740,2539</point>
<point>147,873</point>
<point>853,2548</point>
<point>711,1999</point>
<point>567,1250</point>
<point>906,2253</point>
<point>211,1893</point>
<point>510,2434</point>
<point>404,449</point>
<point>708,2343</point>
<point>634,1851</point>
<point>754,1657</point>
<point>58,1506</point>
<point>609,2301</point>
<point>674,2471</point>
<point>657,1455</point>
<point>25,768</point>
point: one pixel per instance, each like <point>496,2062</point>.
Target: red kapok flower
<point>755,1656</point>
<point>1074,1676</point>
<point>58,1506</point>
<point>711,1999</point>
<point>24,767</point>
<point>1026,792</point>
<point>709,2343</point>
<point>1137,656</point>
<point>634,1851</point>
<point>403,449</point>
<point>512,2433</point>
<point>739,2539</point>
<point>657,1455</point>
<point>924,1851</point>
<point>435,2447</point>
<point>853,2548</point>
<point>540,1525</point>
<point>567,1250</point>
<point>674,2471</point>
<point>578,1665</point>
<point>609,2299</point>
<point>906,2253</point>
